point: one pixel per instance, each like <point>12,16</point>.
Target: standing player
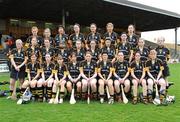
<point>105,78</point>
<point>33,48</point>
<point>47,36</point>
<point>138,78</point>
<point>34,31</point>
<point>88,72</point>
<point>18,60</point>
<point>80,52</point>
<point>154,69</point>
<point>132,37</point>
<point>125,47</point>
<point>47,49</point>
<point>94,50</point>
<point>74,76</point>
<point>93,35</point>
<point>76,36</point>
<point>109,49</point>
<point>144,52</point>
<point>63,51</point>
<point>60,79</point>
<point>121,74</point>
<point>163,54</point>
<point>110,34</point>
<point>61,37</point>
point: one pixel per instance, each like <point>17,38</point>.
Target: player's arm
<point>65,75</point>
<point>132,73</point>
<point>127,74</point>
<point>12,61</point>
<point>24,62</point>
<point>95,73</point>
<point>37,75</point>
<point>131,56</point>
<point>149,74</point>
<point>82,73</point>
<point>110,73</point>
<point>160,72</point>
<point>143,73</point>
<point>99,73</point>
<point>115,74</point>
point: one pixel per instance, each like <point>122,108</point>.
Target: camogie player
<point>80,52</point>
<point>144,52</point>
<point>33,74</point>
<point>125,47</point>
<point>61,37</point>
<point>94,50</point>
<point>33,48</point>
<point>105,78</point>
<point>76,36</point>
<point>93,35</point>
<point>74,76</point>
<point>132,37</point>
<point>47,49</point>
<point>110,34</point>
<point>154,67</point>
<point>47,36</point>
<point>121,74</point>
<point>163,54</point>
<point>18,60</point>
<point>60,79</point>
<point>34,31</point>
<point>138,74</point>
<point>109,49</point>
<point>88,72</point>
<point>47,76</point>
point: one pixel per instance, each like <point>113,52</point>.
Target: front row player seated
<point>138,74</point>
<point>121,73</point>
<point>32,70</point>
<point>88,72</point>
<point>105,77</point>
<point>154,69</point>
<point>59,74</point>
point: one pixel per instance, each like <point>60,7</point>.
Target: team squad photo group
<point>97,67</point>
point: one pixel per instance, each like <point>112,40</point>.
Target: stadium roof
<point>120,12</point>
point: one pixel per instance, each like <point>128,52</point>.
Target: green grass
<point>94,112</point>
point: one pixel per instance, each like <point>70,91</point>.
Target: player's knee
<point>116,83</point>
<point>127,83</point>
<point>101,82</point>
<point>69,84</point>
<point>150,82</point>
<point>143,83</point>
<point>135,82</point>
<point>110,82</point>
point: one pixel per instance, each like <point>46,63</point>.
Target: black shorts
<point>18,75</point>
<point>166,72</point>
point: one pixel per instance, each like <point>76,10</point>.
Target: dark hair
<point>61,26</point>
<point>93,24</point>
<point>77,24</point>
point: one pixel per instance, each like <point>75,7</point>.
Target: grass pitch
<point>94,112</point>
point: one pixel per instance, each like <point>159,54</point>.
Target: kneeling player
<point>89,73</point>
<point>74,75</point>
<point>105,74</point>
<point>121,73</point>
<point>154,68</point>
<point>138,77</point>
<point>60,79</point>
